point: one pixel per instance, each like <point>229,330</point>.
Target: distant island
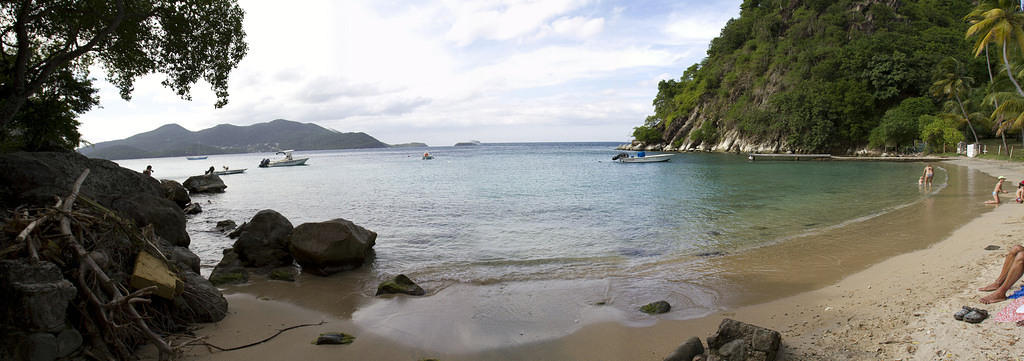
<point>173,140</point>
<point>410,145</point>
<point>472,142</point>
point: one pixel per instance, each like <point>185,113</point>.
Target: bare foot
<point>993,298</point>
<point>990,288</point>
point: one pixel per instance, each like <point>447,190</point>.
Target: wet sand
<point>895,308</point>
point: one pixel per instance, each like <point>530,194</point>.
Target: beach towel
<point>1013,312</point>
<point>1017,294</point>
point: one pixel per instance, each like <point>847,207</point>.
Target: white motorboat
<point>230,171</point>
<point>286,162</point>
<point>642,158</point>
<point>200,157</point>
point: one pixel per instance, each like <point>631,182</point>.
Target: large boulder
<point>201,301</point>
<point>332,246</point>
<point>35,297</point>
<point>229,270</point>
<point>687,351</point>
<point>175,192</point>
<point>35,178</point>
<point>736,341</point>
<point>263,241</point>
<point>210,183</point>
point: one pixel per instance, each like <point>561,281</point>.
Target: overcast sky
<point>441,72</point>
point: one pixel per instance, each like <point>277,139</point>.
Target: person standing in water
<point>997,190</point>
<point>929,173</point>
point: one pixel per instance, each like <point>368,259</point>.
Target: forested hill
<point>816,76</point>
<point>173,140</point>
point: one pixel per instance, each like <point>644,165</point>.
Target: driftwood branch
<point>104,280</point>
<point>203,343</point>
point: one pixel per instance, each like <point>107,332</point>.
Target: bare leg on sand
<point>1013,267</point>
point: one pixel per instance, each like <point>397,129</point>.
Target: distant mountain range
<point>173,140</point>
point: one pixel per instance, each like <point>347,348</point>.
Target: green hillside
<point>820,76</point>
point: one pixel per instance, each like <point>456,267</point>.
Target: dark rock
<point>400,284</point>
<point>34,297</point>
<point>334,338</point>
<point>263,241</point>
<point>711,254</point>
<point>40,346</point>
<point>68,341</point>
<point>210,183</point>
<point>35,178</point>
<point>656,307</point>
<point>743,341</point>
<point>991,247</point>
<point>201,301</point>
<point>229,270</point>
<point>284,274</point>
<point>687,351</point>
<point>184,258</point>
<point>238,231</point>
<point>193,208</point>
<point>175,192</point>
<point>332,246</point>
<point>225,225</point>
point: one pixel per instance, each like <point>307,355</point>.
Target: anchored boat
<point>641,158</point>
<point>286,162</point>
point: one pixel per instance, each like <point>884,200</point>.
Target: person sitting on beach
<point>997,190</point>
<point>929,173</point>
<point>148,171</point>
<point>1013,267</point>
<point>1020,192</point>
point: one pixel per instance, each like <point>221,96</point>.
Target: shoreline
<point>867,315</point>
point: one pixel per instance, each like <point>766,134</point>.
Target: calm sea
<point>551,211</point>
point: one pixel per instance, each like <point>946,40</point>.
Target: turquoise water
<point>496,213</point>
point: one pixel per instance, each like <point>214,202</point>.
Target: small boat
<point>230,171</point>
<point>642,158</point>
<point>286,162</point>
<point>200,157</point>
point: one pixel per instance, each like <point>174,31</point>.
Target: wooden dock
<point>755,156</point>
<point>798,157</point>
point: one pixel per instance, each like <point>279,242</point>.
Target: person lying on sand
<point>997,190</point>
<point>1013,267</point>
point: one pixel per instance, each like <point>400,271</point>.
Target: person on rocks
<point>148,171</point>
<point>1013,267</point>
<point>210,171</point>
<point>998,189</point>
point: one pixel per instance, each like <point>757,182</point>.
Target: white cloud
<point>438,72</point>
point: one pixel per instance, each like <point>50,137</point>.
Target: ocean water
<point>550,211</point>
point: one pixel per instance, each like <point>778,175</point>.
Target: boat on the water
<point>286,162</point>
<point>230,171</point>
<point>641,158</point>
<point>199,157</point>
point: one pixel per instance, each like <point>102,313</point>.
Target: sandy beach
<point>897,309</point>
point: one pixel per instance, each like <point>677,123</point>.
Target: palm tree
<point>950,86</point>
<point>997,21</point>
<point>1011,107</point>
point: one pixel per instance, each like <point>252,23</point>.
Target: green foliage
<point>900,124</point>
<point>647,134</point>
<point>939,131</point>
<point>187,41</point>
<point>819,75</point>
<point>707,133</point>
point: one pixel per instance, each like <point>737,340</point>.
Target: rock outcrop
<point>175,192</point>
<point>332,246</point>
<point>737,341</point>
<point>35,297</point>
<point>263,241</point>
<point>209,183</point>
<point>35,178</point>
<point>400,284</point>
<point>229,270</point>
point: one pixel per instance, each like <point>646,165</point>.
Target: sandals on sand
<point>971,315</point>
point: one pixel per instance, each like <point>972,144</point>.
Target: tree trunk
<point>1009,73</point>
<point>966,118</point>
<point>1000,123</point>
<point>9,106</point>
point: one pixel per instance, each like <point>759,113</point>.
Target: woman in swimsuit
<point>997,190</point>
<point>929,173</point>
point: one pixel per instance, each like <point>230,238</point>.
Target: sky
<point>440,72</point>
